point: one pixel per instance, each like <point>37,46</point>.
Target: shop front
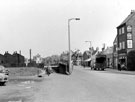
<point>123,58</point>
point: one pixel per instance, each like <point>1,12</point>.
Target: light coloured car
<point>3,75</point>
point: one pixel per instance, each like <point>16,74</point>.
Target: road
<point>83,85</point>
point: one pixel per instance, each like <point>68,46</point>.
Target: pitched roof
<point>115,40</point>
<point>128,17</point>
<point>87,52</point>
<point>108,50</point>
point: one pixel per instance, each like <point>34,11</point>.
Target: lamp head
<point>77,18</point>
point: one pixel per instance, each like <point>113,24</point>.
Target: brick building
<point>126,37</point>
<point>18,60</point>
<point>12,60</point>
<point>8,59</point>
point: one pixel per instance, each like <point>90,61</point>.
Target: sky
<point>42,25</point>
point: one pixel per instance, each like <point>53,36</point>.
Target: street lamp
<point>90,47</point>
<point>69,42</point>
<point>90,44</point>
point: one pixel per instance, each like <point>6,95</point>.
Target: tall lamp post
<point>90,46</point>
<point>90,49</point>
<point>70,70</point>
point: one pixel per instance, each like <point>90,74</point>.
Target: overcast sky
<point>41,25</point>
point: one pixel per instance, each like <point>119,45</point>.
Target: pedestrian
<point>119,66</point>
<point>48,70</point>
<point>123,66</point>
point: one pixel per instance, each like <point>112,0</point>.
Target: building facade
<point>126,38</point>
<point>109,56</point>
<point>115,54</point>
<point>19,60</point>
<point>12,60</point>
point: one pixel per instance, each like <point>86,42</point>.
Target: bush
<point>131,61</point>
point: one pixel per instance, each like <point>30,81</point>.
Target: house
<point>19,60</point>
<point>126,38</point>
<point>9,60</point>
<point>87,55</point>
<point>13,60</point>
<point>109,56</point>
<point>115,54</point>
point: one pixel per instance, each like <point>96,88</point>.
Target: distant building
<point>9,60</point>
<point>109,56</point>
<point>19,60</point>
<point>88,54</point>
<point>115,54</point>
<point>2,60</point>
<point>13,60</point>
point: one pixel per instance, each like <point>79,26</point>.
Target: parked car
<point>3,75</point>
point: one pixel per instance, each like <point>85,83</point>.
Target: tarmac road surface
<point>83,85</point>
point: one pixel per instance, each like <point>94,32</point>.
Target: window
<point>123,30</point>
<point>123,45</point>
<point>120,45</point>
<point>129,28</point>
<point>129,44</point>
<point>120,31</point>
<point>129,36</point>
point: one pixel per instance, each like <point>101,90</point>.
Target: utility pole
<point>30,56</point>
<point>90,47</point>
<point>69,45</point>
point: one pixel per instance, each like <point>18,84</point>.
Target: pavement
<point>112,70</point>
<point>120,72</point>
<point>83,85</point>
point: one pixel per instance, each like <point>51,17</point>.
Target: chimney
<point>20,52</point>
<point>132,11</point>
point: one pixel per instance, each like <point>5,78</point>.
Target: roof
<point>108,50</point>
<point>115,40</point>
<point>87,52</point>
<point>128,17</point>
